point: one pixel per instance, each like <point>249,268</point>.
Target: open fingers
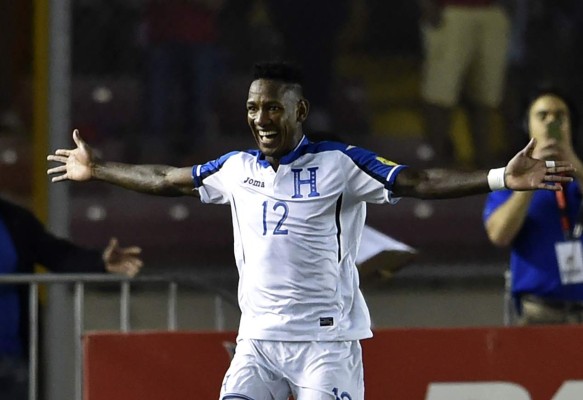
<point>134,250</point>
<point>530,147</point>
<point>559,166</point>
<point>560,170</point>
<point>57,158</point>
<point>77,138</point>
<point>63,152</point>
<point>551,164</point>
<point>59,178</point>
<point>549,186</point>
<point>113,245</point>
<point>57,170</point>
<point>558,178</point>
<point>131,267</point>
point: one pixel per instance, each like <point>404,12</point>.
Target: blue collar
<point>289,157</point>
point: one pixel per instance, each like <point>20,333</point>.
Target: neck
<point>274,162</point>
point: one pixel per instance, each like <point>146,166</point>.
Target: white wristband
<point>496,179</point>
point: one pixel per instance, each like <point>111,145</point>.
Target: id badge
<point>570,258</point>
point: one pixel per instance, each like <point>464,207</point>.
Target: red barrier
<point>530,363</point>
<point>153,365</point>
<point>533,363</point>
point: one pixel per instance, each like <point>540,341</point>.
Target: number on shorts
<point>341,396</point>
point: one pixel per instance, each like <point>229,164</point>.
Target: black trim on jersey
<point>338,227</point>
<point>238,227</point>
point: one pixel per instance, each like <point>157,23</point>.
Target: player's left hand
<point>120,260</point>
<point>524,172</point>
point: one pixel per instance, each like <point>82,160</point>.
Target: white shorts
<point>270,370</point>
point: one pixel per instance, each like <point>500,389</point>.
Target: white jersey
<point>296,236</point>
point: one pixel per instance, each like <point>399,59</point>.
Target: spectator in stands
<point>24,242</point>
<point>15,61</point>
<point>391,28</point>
<point>543,229</point>
<point>465,46</point>
<point>298,210</point>
<point>181,66</point>
<point>310,32</point>
<point>546,39</point>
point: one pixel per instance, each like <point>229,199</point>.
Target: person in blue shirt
<point>542,227</point>
<point>24,242</point>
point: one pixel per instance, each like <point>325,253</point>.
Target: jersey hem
<point>291,337</point>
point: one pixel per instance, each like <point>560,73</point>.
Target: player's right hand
<point>77,163</point>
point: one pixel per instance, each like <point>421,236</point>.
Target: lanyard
<point>564,216</point>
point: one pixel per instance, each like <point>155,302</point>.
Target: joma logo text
<point>253,182</point>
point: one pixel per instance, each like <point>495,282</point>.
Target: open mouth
<point>267,136</point>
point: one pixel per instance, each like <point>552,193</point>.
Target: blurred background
<point>166,82</point>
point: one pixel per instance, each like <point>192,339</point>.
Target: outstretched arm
<point>522,173</point>
<point>79,164</point>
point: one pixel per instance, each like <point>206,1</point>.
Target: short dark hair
<point>278,71</point>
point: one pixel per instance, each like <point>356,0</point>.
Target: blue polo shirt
<point>533,261</point>
<point>10,343</point>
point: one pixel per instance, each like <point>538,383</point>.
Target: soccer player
<point>298,210</point>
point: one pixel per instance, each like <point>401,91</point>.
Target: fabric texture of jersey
<point>296,236</point>
<point>533,262</point>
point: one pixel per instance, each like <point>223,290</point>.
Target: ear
<point>302,110</point>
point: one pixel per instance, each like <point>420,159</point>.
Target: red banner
<point>530,363</point>
<point>526,363</point>
<point>143,366</point>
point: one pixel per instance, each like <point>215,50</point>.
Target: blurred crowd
<point>160,80</point>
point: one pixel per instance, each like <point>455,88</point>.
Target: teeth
<point>267,135</point>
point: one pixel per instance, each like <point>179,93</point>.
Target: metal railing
<point>510,316</point>
<point>79,281</point>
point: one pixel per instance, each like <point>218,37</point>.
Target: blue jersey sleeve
<point>382,171</point>
<point>212,180</point>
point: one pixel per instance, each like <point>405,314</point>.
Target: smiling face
<point>275,112</point>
